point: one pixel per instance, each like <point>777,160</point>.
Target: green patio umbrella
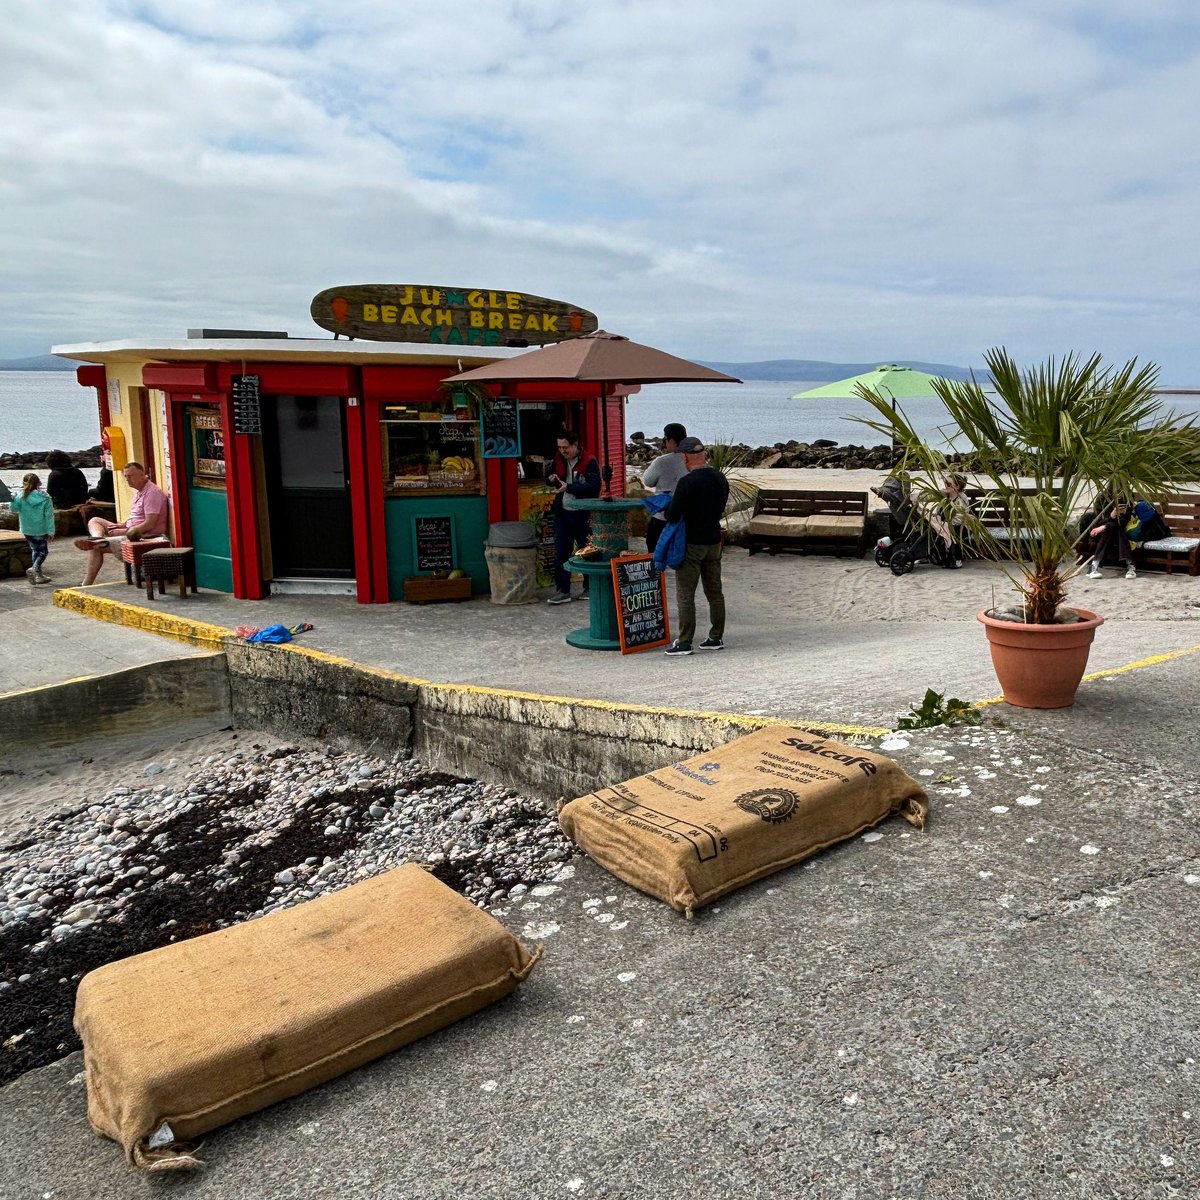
<point>898,383</point>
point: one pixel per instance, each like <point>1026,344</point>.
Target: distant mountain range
<point>808,370</point>
<point>815,371</point>
<point>39,362</point>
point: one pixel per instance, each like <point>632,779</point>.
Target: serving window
<point>431,452</point>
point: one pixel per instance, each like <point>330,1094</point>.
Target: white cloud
<point>871,178</point>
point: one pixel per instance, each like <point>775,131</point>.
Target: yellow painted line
<point>134,616</point>
<point>44,687</point>
<point>196,633</point>
<point>1153,661</point>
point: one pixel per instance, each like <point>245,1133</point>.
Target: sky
<point>852,181</point>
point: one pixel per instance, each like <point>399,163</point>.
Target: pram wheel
<point>882,555</point>
<point>902,561</point>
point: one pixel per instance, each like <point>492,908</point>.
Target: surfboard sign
<point>446,316</point>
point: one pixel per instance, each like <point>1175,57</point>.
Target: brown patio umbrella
<point>605,358</point>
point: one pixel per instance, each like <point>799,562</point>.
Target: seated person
<point>67,484</point>
<point>1109,530</point>
<point>954,489</point>
<point>147,518</point>
<point>101,501</point>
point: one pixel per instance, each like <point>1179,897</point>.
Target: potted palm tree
<point>1047,440</point>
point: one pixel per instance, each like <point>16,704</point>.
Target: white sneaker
<point>1094,573</point>
<point>1131,572</point>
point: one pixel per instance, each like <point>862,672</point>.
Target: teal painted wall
<point>209,512</point>
<point>470,532</point>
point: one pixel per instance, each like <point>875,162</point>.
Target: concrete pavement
<point>1001,1006</point>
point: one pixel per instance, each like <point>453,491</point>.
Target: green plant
<point>936,709</point>
<point>728,459</point>
<point>1071,429</point>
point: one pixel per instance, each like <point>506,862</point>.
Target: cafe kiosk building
<point>332,464</point>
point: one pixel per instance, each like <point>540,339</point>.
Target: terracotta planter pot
<point>1040,666</point>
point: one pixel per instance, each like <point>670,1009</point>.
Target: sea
<point>42,410</point>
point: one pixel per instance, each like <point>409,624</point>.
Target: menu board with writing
<point>641,594</point>
<point>434,539</point>
<point>500,427</point>
<point>247,407</point>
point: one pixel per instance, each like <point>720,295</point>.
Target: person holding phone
<point>575,473</point>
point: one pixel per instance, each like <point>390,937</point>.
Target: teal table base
<point>602,632</point>
<point>610,533</point>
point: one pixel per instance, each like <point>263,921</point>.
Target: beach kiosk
<point>346,464</point>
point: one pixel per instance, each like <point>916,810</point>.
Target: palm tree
<point>1074,428</point>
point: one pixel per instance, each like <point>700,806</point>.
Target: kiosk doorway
<point>308,493</point>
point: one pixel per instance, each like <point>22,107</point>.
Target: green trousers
<point>701,564</point>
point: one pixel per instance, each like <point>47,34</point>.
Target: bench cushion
<point>776,525</point>
<point>1180,545</point>
<point>835,525</point>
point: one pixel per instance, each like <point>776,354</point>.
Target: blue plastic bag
<point>272,633</point>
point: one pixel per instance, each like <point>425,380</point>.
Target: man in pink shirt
<point>147,519</point>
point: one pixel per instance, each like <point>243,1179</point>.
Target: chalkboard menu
<point>434,538</point>
<point>247,410</point>
<point>641,593</point>
<point>500,427</point>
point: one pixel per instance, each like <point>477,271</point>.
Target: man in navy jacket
<point>699,502</point>
<point>576,473</point>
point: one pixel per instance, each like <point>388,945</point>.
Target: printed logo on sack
<point>774,805</point>
<point>865,765</point>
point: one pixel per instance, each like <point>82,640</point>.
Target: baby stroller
<point>912,539</point>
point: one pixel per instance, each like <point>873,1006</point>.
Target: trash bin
<point>511,554</point>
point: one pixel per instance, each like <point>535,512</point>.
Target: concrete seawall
<point>545,746</point>
<point>133,701</point>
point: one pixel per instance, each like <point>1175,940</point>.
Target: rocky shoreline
<point>33,460</point>
<point>236,837</point>
<point>822,453</point>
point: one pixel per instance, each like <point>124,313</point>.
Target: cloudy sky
<point>857,180</point>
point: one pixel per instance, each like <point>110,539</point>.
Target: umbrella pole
<point>608,471</point>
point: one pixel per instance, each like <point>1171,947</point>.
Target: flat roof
<point>325,350</point>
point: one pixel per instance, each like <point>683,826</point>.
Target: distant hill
<point>815,371</point>
<point>39,362</point>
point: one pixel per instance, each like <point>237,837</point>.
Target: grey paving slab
<point>41,644</point>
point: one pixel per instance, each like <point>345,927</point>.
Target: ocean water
<point>46,410</point>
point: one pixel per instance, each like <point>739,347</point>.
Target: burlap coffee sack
<point>692,832</point>
<point>192,1035</point>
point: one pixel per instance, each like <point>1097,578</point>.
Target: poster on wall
<point>208,447</point>
<point>247,406</point>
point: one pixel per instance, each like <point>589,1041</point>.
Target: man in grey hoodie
<point>662,475</point>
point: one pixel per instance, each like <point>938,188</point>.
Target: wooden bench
<point>1179,551</point>
<point>807,522</point>
<point>995,512</point>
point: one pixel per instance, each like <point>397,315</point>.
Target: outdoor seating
<point>15,555</point>
<point>132,554</point>
<point>805,521</point>
<point>174,563</point>
<point>1182,549</point>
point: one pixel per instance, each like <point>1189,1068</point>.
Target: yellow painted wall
<point>124,381</point>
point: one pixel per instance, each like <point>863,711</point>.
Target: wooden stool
<point>132,554</point>
<point>169,563</point>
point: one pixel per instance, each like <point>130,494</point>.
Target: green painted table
<point>610,533</point>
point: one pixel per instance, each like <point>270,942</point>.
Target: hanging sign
<point>404,312</point>
<point>500,427</point>
<point>247,407</point>
<point>640,589</point>
<point>434,537</point>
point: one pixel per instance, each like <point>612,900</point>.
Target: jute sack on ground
<point>691,832</point>
<point>192,1035</point>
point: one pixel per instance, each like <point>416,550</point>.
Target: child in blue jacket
<point>36,512</point>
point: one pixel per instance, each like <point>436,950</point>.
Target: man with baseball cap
<point>699,502</point>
